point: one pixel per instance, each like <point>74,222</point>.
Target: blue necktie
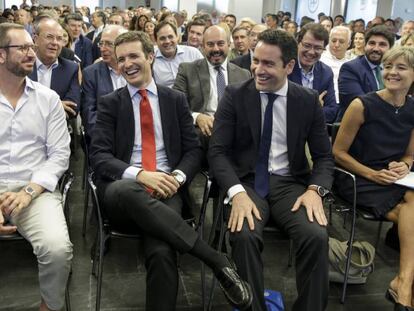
<point>221,82</point>
<point>261,181</point>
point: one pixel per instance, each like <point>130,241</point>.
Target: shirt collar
<point>40,65</point>
<point>303,71</point>
<point>371,65</point>
<point>280,92</point>
<point>223,65</point>
<point>152,88</point>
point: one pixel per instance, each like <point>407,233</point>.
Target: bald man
<point>101,78</point>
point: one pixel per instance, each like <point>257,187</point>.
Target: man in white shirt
<point>34,154</point>
<point>334,56</point>
<point>169,54</point>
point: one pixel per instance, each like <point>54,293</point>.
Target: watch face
<point>322,191</point>
<point>29,190</point>
<point>179,178</point>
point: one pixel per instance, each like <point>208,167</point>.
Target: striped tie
<point>221,82</point>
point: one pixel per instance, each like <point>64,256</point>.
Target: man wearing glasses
<point>310,72</point>
<point>101,78</point>
<point>34,153</point>
<point>54,72</point>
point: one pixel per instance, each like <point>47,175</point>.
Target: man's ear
<point>3,56</point>
<point>289,66</point>
<point>150,57</point>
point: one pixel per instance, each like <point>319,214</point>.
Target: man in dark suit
<point>101,78</point>
<point>257,155</point>
<point>363,74</point>
<point>98,23</point>
<point>145,151</point>
<point>203,81</point>
<point>82,46</point>
<point>310,72</point>
<point>245,61</point>
<point>58,74</point>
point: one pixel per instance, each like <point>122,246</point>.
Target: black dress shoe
<point>400,307</point>
<point>238,292</point>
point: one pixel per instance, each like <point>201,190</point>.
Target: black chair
<point>105,232</point>
<point>64,186</point>
<point>355,211</point>
<point>85,173</point>
<point>219,226</point>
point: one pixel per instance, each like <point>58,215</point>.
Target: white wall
<point>403,9</point>
<point>190,6</point>
<point>245,8</point>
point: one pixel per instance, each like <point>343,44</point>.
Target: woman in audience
<point>140,25</point>
<point>149,29</point>
<point>376,142</point>
<point>327,23</point>
<point>67,39</point>
<point>357,45</point>
<point>292,28</point>
<point>408,40</point>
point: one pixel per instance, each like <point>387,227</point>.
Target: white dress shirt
<point>118,80</point>
<point>278,153</point>
<point>44,73</point>
<point>34,138</point>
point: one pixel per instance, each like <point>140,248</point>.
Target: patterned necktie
<point>261,181</point>
<point>147,133</point>
<point>221,82</point>
<point>378,76</point>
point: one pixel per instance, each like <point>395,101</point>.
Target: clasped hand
<point>395,171</point>
<point>163,185</point>
<point>11,204</point>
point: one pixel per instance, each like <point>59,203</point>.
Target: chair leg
<point>377,239</point>
<point>349,256</point>
<point>85,209</point>
<point>67,299</point>
<point>102,239</point>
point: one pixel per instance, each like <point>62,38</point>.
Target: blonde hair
<point>406,37</point>
<point>407,53</point>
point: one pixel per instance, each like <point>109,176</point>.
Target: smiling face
<point>167,41</point>
<point>49,41</point>
<point>267,67</point>
<point>195,35</point>
<point>309,50</point>
<point>398,75</point>
<point>375,48</point>
<point>216,47</point>
<point>133,64</point>
<point>359,40</point>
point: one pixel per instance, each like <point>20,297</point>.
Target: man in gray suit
<point>203,81</point>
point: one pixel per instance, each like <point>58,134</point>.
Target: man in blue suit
<point>363,74</point>
<point>58,74</point>
<point>101,78</point>
<point>310,72</point>
<point>82,46</point>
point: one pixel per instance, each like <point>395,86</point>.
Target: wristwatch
<point>322,191</point>
<point>30,191</point>
<point>178,177</point>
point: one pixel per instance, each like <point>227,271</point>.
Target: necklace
<point>397,108</point>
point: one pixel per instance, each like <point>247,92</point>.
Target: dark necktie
<point>221,82</point>
<point>378,76</point>
<point>147,133</point>
<point>261,181</point>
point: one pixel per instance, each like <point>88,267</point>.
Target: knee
<point>246,238</point>
<point>56,250</point>
<point>315,237</point>
<point>161,256</point>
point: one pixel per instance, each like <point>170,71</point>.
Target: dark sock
<point>208,255</point>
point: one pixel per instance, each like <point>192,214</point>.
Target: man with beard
<point>203,81</point>
<point>101,78</point>
<point>34,153</point>
<point>363,74</point>
<point>56,73</point>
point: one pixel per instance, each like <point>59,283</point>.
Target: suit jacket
<point>64,80</point>
<point>193,79</point>
<point>83,49</point>
<point>234,144</point>
<point>96,82</point>
<point>355,78</point>
<point>322,81</point>
<point>113,141</point>
<point>67,54</point>
<point>243,61</point>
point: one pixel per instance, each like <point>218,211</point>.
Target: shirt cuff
<point>131,173</point>
<point>232,192</point>
<point>46,180</point>
<point>181,173</point>
<point>195,115</point>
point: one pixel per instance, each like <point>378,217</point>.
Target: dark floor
<point>124,275</point>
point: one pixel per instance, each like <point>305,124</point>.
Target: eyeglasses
<point>23,48</point>
<point>49,37</point>
<point>108,44</point>
<point>308,47</point>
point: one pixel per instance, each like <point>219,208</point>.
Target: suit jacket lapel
<point>204,78</point>
<point>253,108</point>
<point>56,74</point>
<point>166,111</point>
<point>292,120</point>
<point>105,76</point>
<point>370,75</point>
<point>232,77</point>
<point>317,77</point>
<point>127,124</point>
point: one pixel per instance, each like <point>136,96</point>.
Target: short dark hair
<point>273,16</point>
<point>380,30</point>
<point>75,16</point>
<point>196,22</point>
<point>283,40</point>
<point>133,36</point>
<point>162,25</point>
<point>230,15</point>
<point>317,30</point>
<point>359,20</point>
<point>101,15</point>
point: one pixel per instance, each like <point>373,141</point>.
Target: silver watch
<point>30,191</point>
<point>178,177</point>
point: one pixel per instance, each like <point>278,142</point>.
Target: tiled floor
<point>124,275</point>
